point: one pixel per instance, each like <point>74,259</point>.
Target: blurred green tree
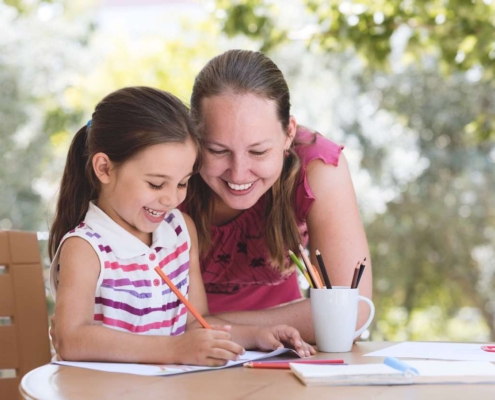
<point>39,52</point>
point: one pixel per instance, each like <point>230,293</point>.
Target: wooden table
<point>61,382</point>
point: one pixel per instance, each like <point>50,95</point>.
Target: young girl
<point>116,219</point>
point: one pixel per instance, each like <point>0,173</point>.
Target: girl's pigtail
<point>76,190</point>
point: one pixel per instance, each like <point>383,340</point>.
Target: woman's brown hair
<point>124,123</point>
<point>248,72</point>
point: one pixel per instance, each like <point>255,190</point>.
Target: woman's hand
<point>279,336</point>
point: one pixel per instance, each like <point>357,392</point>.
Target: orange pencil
<point>181,297</point>
<point>311,269</point>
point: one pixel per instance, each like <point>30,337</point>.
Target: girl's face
<point>244,148</point>
<point>138,193</point>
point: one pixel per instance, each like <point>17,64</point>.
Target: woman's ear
<point>102,167</point>
<point>291,132</point>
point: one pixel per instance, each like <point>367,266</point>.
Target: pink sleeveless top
<point>236,272</point>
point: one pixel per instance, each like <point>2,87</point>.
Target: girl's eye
<point>217,152</point>
<point>258,153</point>
<point>155,187</point>
<point>182,185</point>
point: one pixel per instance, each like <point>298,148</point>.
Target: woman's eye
<point>258,153</point>
<point>182,185</point>
<point>217,152</point>
<point>155,187</point>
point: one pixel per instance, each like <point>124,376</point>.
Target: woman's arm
<point>335,227</point>
<point>296,314</point>
<point>79,339</point>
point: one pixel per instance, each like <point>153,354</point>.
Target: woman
<point>267,185</point>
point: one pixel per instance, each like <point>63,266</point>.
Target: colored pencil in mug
<point>285,364</point>
<point>301,268</point>
<point>360,273</point>
<point>312,270</point>
<point>323,270</point>
<point>355,275</point>
<point>181,297</point>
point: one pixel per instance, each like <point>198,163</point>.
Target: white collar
<point>124,244</point>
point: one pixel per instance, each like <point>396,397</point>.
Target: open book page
<point>171,369</point>
<point>381,374</point>
<point>436,351</point>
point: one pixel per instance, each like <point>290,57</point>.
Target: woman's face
<point>245,145</point>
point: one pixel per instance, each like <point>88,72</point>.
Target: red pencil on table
<point>285,364</point>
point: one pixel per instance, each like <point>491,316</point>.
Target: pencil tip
<point>318,252</point>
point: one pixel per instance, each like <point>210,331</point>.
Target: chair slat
<point>9,358</point>
<point>6,296</point>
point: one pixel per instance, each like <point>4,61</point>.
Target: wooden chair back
<point>24,342</point>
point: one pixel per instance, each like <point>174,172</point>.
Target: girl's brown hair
<point>124,123</point>
<point>248,72</point>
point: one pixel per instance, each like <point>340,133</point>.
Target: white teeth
<point>240,187</point>
<point>153,212</point>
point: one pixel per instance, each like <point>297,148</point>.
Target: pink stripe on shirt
<point>139,328</point>
<point>126,268</point>
<point>172,256</point>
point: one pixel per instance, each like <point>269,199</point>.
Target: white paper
<point>436,351</point>
<point>170,369</point>
<point>362,370</point>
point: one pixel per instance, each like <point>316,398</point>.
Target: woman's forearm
<point>297,315</point>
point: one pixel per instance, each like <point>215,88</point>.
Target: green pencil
<point>301,267</point>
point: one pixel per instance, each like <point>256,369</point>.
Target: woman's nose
<point>238,168</point>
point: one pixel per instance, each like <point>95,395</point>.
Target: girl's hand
<point>279,336</point>
<point>208,347</point>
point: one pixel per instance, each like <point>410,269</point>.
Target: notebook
<point>396,372</point>
<point>173,369</point>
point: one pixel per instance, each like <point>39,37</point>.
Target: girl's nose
<point>169,199</point>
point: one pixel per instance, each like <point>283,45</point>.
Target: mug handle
<point>370,318</point>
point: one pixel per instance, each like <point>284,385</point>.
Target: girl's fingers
<point>225,328</point>
<point>225,352</point>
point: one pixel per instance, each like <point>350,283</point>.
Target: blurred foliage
<point>456,34</point>
<point>433,245</point>
<point>29,103</point>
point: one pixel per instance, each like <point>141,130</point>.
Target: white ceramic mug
<point>334,314</point>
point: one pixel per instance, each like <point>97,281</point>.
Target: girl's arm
<point>253,336</point>
<point>79,339</point>
<point>335,227</point>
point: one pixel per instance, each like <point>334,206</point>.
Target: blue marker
<point>399,365</point>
